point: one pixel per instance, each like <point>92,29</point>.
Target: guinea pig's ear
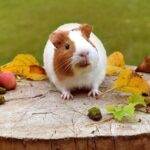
<point>57,38</point>
<point>86,30</point>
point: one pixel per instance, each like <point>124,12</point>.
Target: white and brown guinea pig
<point>75,58</point>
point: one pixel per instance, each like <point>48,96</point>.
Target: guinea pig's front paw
<point>66,95</point>
<point>94,93</point>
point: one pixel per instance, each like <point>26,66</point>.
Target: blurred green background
<point>121,25</point>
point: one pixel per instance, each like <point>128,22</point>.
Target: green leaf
<point>129,110</point>
<point>110,108</point>
<point>137,100</point>
<point>121,111</point>
<point>118,115</point>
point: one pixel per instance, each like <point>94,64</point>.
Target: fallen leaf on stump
<point>127,111</point>
<point>36,73</point>
<point>144,66</point>
<point>113,70</point>
<point>115,63</point>
<point>120,111</point>
<point>129,81</point>
<point>25,65</point>
<point>137,100</point>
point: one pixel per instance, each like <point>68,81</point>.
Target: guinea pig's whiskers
<point>63,64</point>
<point>67,68</point>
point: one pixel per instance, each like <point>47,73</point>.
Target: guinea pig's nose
<point>84,54</point>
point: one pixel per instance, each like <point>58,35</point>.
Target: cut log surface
<point>34,116</point>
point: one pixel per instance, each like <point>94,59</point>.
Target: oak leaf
<point>25,65</point>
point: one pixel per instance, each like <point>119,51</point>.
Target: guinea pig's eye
<point>67,46</point>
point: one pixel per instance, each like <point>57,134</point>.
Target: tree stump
<point>34,117</point>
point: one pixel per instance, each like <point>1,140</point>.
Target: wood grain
<point>34,117</point>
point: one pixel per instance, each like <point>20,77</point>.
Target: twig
<point>42,113</point>
<point>142,110</point>
<point>105,92</point>
<point>109,90</point>
<point>100,122</point>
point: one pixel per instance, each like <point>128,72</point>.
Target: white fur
<point>91,76</point>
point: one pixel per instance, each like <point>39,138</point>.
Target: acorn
<point>2,99</point>
<point>94,113</point>
<point>2,90</point>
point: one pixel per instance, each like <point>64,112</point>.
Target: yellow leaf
<point>115,63</point>
<point>25,65</point>
<point>116,59</point>
<point>36,73</point>
<point>25,59</point>
<point>112,70</point>
<point>129,81</point>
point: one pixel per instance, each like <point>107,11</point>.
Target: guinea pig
<point>74,57</point>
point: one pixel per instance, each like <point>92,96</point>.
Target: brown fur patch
<point>62,56</point>
<point>91,43</point>
<point>86,30</point>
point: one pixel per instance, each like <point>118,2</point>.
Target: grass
<point>121,25</point>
